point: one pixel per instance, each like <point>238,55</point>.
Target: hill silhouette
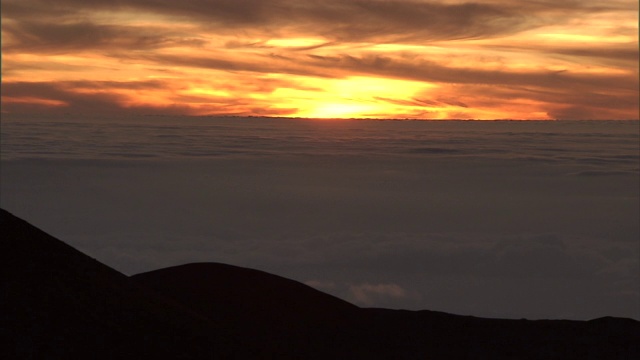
<point>59,303</point>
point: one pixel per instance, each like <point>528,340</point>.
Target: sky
<point>440,59</point>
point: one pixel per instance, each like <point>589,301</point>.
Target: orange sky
<point>439,59</point>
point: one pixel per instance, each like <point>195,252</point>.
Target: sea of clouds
<point>503,219</point>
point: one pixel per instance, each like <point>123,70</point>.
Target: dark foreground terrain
<point>58,303</point>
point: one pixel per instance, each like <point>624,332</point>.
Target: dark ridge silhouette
<point>58,303</point>
<point>251,304</point>
<point>211,286</point>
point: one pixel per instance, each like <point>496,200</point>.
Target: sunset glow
<point>435,59</point>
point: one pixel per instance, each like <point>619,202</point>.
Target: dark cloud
<point>411,22</point>
<point>627,53</point>
<point>86,36</point>
<point>256,64</point>
<point>426,70</point>
<point>602,102</point>
<point>343,21</point>
<point>574,113</point>
<point>72,100</point>
<point>95,97</point>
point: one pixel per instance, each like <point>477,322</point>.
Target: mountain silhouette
<point>59,303</point>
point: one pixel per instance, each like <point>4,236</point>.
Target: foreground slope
<point>59,303</point>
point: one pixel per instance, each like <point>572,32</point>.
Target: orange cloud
<point>348,58</point>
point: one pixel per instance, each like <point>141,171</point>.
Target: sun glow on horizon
<point>356,96</point>
<point>337,110</point>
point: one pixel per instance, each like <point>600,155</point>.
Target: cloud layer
<point>512,219</point>
<point>205,57</point>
